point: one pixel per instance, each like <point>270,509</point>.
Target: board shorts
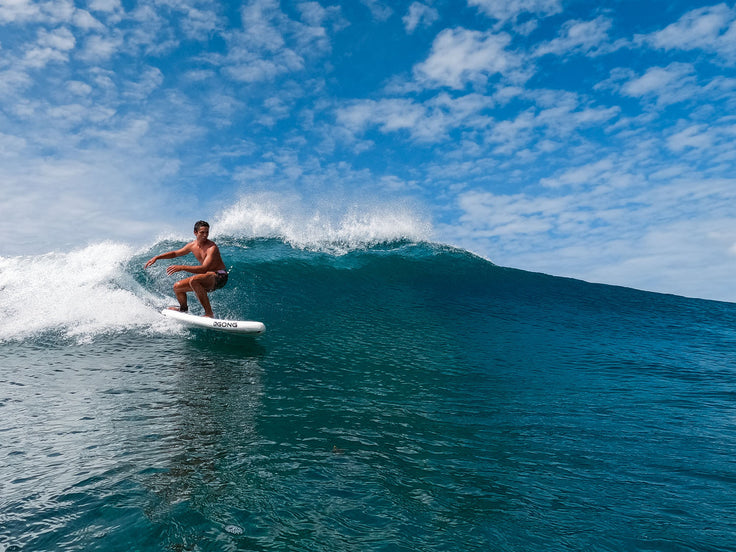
<point>220,279</point>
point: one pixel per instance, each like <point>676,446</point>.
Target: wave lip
<point>322,229</point>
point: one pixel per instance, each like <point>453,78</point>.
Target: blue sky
<point>577,138</point>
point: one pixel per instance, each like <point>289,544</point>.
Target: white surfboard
<point>243,327</point>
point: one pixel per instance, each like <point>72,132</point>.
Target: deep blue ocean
<point>407,396</point>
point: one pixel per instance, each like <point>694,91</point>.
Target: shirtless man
<point>211,274</point>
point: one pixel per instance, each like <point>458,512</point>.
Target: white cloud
<point>149,30</point>
<point>272,45</point>
<point>502,215</point>
<point>505,10</point>
<point>11,146</point>
<point>245,66</point>
<point>59,12</point>
<point>12,11</point>
<point>260,24</point>
<point>59,39</point>
<point>565,119</point>
<point>314,15</point>
<point>254,174</point>
<point>394,184</point>
<point>389,114</point>
<point>419,14</point>
<point>712,29</point>
<point>671,84</point>
<point>427,122</point>
<point>581,37</point>
<point>551,117</point>
<point>378,9</point>
<point>99,48</point>
<point>13,81</point>
<point>37,58</point>
<point>312,40</point>
<point>696,136</point>
<point>49,47</point>
<point>105,5</point>
<point>589,174</point>
<point>84,20</point>
<point>150,79</point>
<point>460,56</point>
<point>198,24</point>
<point>70,115</point>
<point>79,88</point>
<point>655,79</point>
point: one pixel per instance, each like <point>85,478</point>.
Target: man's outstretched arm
<point>168,255</point>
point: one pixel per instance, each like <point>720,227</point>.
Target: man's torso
<point>208,248</point>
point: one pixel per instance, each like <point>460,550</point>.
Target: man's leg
<point>180,290</point>
<point>200,285</point>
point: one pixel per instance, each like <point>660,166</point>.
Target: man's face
<point>202,233</point>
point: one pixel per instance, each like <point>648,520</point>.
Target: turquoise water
<point>406,396</point>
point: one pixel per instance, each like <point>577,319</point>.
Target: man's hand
<point>150,262</point>
<point>173,268</point>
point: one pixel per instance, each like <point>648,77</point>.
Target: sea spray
<point>322,226</point>
<point>77,293</point>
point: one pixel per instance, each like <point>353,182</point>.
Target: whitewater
<point>408,395</point>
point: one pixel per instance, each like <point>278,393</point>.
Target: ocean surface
<point>407,396</point>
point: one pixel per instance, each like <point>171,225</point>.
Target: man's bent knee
<point>203,281</point>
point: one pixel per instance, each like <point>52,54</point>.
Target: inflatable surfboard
<point>243,327</point>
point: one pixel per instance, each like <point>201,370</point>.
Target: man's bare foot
<point>211,315</point>
<point>178,309</point>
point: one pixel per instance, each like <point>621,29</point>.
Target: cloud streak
<point>462,56</point>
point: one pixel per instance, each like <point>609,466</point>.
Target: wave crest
<point>323,227</point>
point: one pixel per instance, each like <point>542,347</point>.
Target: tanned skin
<point>203,281</point>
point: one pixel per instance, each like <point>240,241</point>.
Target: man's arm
<point>170,255</point>
<point>208,264</point>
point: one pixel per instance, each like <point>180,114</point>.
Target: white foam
<point>321,226</point>
<point>79,293</point>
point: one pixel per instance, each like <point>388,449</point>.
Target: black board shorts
<point>220,279</point>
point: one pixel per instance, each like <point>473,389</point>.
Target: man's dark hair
<point>199,224</point>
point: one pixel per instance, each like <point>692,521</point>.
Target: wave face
<point>406,395</point>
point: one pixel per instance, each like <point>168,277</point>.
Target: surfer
<point>209,275</point>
